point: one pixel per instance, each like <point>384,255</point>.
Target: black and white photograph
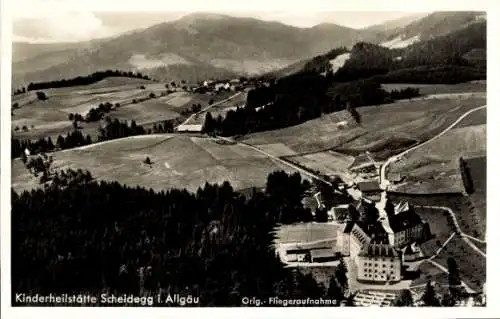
<point>218,158</point>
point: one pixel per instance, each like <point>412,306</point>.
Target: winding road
<point>384,183</point>
<point>459,231</point>
<point>207,108</point>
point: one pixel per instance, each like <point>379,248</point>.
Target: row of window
<point>375,271</point>
<point>376,265</point>
<point>381,277</point>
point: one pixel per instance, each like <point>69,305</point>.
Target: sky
<point>77,20</point>
<point>63,26</point>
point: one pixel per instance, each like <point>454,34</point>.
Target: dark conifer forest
<point>101,236</point>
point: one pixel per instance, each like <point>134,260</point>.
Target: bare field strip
<point>278,150</point>
<point>479,86</point>
<point>306,232</point>
<point>178,162</point>
<point>329,163</point>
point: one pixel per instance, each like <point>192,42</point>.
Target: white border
<point>253,5</point>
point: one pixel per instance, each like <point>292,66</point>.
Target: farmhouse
<point>369,188</point>
<point>339,212</point>
<point>189,128</point>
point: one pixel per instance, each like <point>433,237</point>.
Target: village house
<point>339,212</point>
<point>189,128</point>
<point>369,188</point>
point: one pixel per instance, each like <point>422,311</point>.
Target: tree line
<point>104,236</point>
<point>442,60</point>
<point>83,80</point>
<point>112,129</point>
<point>44,145</point>
<point>299,98</point>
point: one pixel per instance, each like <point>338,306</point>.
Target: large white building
<point>379,263</point>
<point>375,248</point>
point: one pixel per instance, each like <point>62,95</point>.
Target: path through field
<point>207,108</point>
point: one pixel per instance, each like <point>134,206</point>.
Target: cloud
<point>60,26</point>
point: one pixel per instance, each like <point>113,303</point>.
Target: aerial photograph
<point>248,159</point>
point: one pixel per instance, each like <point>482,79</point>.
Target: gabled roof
<point>369,186</point>
<point>378,250</point>
<point>404,220</point>
<point>401,207</point>
<point>322,252</point>
<point>348,227</point>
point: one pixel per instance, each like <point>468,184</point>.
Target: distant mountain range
<point>200,46</point>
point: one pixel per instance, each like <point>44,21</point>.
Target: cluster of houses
<point>378,249</point>
<point>217,86</point>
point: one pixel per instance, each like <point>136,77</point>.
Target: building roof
<point>360,235</point>
<point>401,207</point>
<point>348,227</point>
<point>190,127</point>
<point>370,186</point>
<point>378,250</point>
<point>404,220</point>
<point>322,252</point>
<point>343,206</point>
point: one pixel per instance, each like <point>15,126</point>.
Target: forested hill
<point>455,57</point>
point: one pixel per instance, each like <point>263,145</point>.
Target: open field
<point>434,167</point>
<point>429,272</point>
<point>178,162</point>
<point>471,265</point>
<point>425,89</point>
<point>50,117</point>
<point>475,118</point>
<point>329,163</point>
<point>220,108</point>
<point>385,129</point>
<point>306,232</point>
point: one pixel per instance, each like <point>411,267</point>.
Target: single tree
<point>41,95</point>
<point>448,300</point>
<point>404,299</point>
<point>209,124</point>
<point>321,215</point>
<point>334,291</point>
<point>430,298</point>
<point>341,274</point>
